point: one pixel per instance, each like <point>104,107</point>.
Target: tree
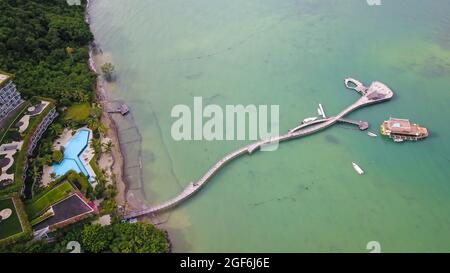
<point>102,129</point>
<point>107,147</point>
<point>80,181</point>
<point>108,69</point>
<point>55,129</point>
<point>124,238</point>
<point>57,156</point>
<point>138,238</point>
<point>95,239</point>
<point>96,145</point>
<point>53,176</point>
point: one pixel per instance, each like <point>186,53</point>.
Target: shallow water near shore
<point>306,195</point>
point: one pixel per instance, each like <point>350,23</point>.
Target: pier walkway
<point>377,92</point>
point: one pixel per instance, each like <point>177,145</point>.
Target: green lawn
<point>78,112</point>
<point>11,225</point>
<point>94,166</point>
<point>38,204</point>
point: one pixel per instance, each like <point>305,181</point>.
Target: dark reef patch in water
<point>332,139</point>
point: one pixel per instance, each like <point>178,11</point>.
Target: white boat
<point>307,120</point>
<point>398,140</point>
<point>322,112</point>
<point>372,134</point>
<point>357,168</point>
<point>319,112</point>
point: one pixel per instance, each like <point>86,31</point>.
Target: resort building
<point>9,97</point>
<point>40,130</point>
<point>37,134</point>
<point>402,129</point>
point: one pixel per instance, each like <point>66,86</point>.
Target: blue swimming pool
<point>72,151</point>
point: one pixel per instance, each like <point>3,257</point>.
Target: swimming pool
<point>72,151</point>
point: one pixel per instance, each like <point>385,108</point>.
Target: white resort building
<point>9,97</point>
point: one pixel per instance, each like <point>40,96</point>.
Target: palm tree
<point>93,123</point>
<point>96,145</point>
<point>55,129</point>
<point>35,173</point>
<point>102,129</point>
<point>53,176</point>
<point>96,111</point>
<point>107,147</point>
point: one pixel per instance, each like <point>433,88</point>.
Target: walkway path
<point>376,93</point>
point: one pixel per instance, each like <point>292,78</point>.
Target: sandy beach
<point>106,119</point>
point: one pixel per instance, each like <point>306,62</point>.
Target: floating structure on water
<point>121,108</point>
<point>357,168</point>
<point>320,111</point>
<point>402,129</point>
<point>377,92</point>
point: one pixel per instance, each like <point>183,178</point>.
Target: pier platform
<point>377,92</point>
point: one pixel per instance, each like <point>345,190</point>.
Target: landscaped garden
<point>10,122</point>
<point>38,204</point>
<point>10,225</point>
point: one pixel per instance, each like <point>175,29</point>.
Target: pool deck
<point>86,157</point>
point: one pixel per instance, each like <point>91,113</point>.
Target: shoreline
<point>126,200</point>
<point>117,167</point>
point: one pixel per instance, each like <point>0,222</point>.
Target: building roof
<point>69,208</point>
<point>404,126</point>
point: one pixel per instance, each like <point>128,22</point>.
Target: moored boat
<point>357,168</point>
<point>307,120</point>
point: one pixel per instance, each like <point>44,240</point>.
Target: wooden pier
<point>121,109</point>
<point>377,92</point>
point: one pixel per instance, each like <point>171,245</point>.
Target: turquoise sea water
<point>293,53</point>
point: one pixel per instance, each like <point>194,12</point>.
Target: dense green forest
<point>45,44</point>
<point>117,238</point>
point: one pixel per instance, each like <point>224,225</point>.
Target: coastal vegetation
<point>108,69</point>
<point>45,44</point>
<point>94,238</point>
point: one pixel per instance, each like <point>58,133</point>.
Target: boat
<point>307,120</point>
<point>398,140</point>
<point>372,134</point>
<point>357,168</point>
<point>319,112</point>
